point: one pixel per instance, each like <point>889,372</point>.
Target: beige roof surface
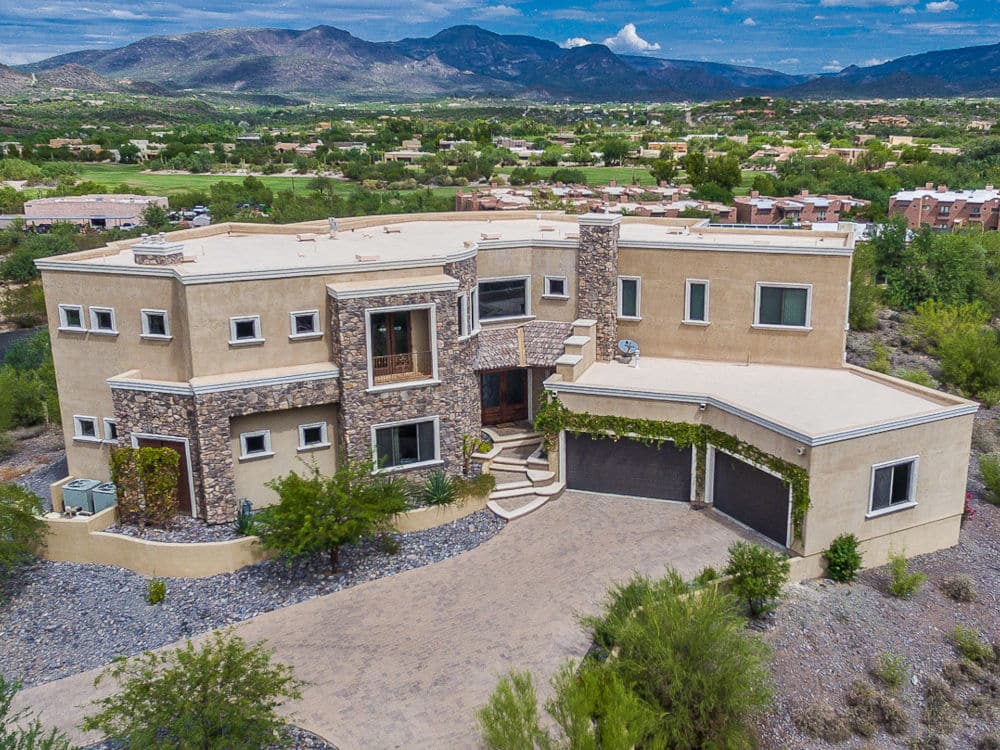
<point>813,403</point>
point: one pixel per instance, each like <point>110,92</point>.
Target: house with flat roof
<point>100,210</point>
<point>664,359</point>
<point>803,208</point>
<point>941,208</point>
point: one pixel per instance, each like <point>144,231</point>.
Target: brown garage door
<point>627,467</point>
<point>751,496</point>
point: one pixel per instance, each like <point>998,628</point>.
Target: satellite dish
<point>628,347</point>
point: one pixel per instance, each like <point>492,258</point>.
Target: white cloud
<point>741,61</point>
<point>789,61</point>
<point>628,40</point>
<point>749,21</point>
<point>941,7</point>
<point>909,10</point>
<point>575,41</point>
<point>874,61</point>
<point>865,3</point>
<point>833,66</point>
<point>496,11</point>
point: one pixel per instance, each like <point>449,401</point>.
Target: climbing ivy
<point>147,481</point>
<point>553,416</point>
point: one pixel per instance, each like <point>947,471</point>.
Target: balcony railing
<point>395,368</point>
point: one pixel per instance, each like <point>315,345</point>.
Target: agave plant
<point>439,489</point>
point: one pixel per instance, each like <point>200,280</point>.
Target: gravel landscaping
<point>63,618</point>
<point>182,529</point>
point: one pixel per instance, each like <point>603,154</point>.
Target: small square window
<point>245,330</point>
<point>110,430</point>
<point>313,436</point>
<point>255,444</point>
<point>85,428</point>
<point>894,485</point>
<point>102,320</point>
<point>305,324</point>
<point>154,324</point>
<point>555,286</point>
<point>71,318</point>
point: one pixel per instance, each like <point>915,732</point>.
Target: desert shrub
<point>439,489</point>
<point>821,721</point>
<point>865,294</point>
<point>8,446</point>
<point>22,531</point>
<point>20,730</point>
<point>843,560</point>
<point>940,705</point>
<point>903,583</point>
<point>870,710</point>
<point>989,472</point>
<point>24,306</point>
<point>705,577</point>
<point>510,720</point>
<point>156,591</point>
<point>971,363</point>
<point>968,644</point>
<point>928,741</point>
<point>989,741</point>
<point>961,588</point>
<point>239,692</point>
<point>890,669</point>
<point>758,576</point>
<point>935,321</point>
<point>880,361</point>
<point>962,671</point>
<point>622,600</point>
<point>920,377</point>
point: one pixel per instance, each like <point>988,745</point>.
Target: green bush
<point>19,266</point>
<point>221,696</point>
<point>623,600</point>
<point>968,644</point>
<point>439,489</point>
<point>510,721</point>
<point>989,472</point>
<point>245,522</point>
<point>890,669</point>
<point>705,577</point>
<point>919,377</point>
<point>865,295</point>
<point>880,361</point>
<point>22,530</point>
<point>971,363</point>
<point>903,584</point>
<point>843,561</point>
<point>758,576</point>
<point>8,446</point>
<point>20,730</point>
<point>156,591</point>
<point>935,321</point>
<point>24,306</point>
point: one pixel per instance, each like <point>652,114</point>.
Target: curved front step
<point>533,501</point>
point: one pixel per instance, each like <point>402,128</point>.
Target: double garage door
<point>751,496</point>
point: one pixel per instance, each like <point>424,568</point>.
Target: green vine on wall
<point>553,416</point>
<point>146,480</point>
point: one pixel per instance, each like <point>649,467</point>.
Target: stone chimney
<point>928,186</point>
<point>755,194</point>
<point>942,188</point>
<point>597,278</point>
<point>156,251</point>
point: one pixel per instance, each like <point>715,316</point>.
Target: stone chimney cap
<point>600,220</point>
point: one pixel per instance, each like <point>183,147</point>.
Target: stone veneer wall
<point>597,278</point>
<point>205,420</point>
<point>455,400</point>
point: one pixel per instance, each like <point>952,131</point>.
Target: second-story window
<point>784,306</point>
<point>102,320</point>
<point>154,324</point>
<point>304,324</point>
<point>629,296</point>
<point>696,301</point>
<point>71,318</point>
<point>245,330</point>
<point>555,286</point>
<point>504,298</point>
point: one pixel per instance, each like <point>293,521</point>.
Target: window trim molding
<point>324,437</point>
<point>107,433</point>
<point>317,331</point>
<point>436,461</point>
<point>258,339</point>
<point>78,433</point>
<point>144,322</point>
<point>905,505</point>
<point>782,285</point>
<point>431,322</point>
<point>97,331</point>
<point>64,324</point>
<point>548,294</point>
<point>526,315</point>
<point>474,310</point>
<point>266,453</point>
<point>638,298</point>
<point>687,319</point>
<point>464,319</point>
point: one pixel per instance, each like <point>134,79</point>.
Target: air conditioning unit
<point>105,495</point>
<point>77,494</point>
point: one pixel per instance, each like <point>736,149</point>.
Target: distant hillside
<point>326,62</point>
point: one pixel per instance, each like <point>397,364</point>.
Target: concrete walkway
<point>405,661</point>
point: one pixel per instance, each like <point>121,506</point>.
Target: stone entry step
<point>516,506</point>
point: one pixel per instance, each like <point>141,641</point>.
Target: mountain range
<point>329,63</point>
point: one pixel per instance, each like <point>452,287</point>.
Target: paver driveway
<point>405,661</point>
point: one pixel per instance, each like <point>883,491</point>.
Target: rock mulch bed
<point>182,529</point>
<point>826,635</point>
<point>64,618</point>
<point>301,740</point>
<point>38,461</point>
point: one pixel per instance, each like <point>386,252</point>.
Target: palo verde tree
<point>22,531</point>
<point>319,513</point>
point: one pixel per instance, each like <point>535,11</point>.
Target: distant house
<point>941,208</point>
<point>98,211</point>
<point>803,208</point>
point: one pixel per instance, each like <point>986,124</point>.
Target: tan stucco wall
<point>251,475</point>
<point>732,280</point>
<point>537,263</point>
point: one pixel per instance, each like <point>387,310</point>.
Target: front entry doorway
<point>505,396</point>
<point>184,504</point>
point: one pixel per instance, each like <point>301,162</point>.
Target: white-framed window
<point>155,324</point>
<point>85,428</point>
<point>102,321</point>
<point>304,324</point>
<point>462,310</point>
<point>783,305</point>
<point>245,329</point>
<point>504,298</point>
<point>893,486</point>
<point>629,297</point>
<point>696,301</point>
<point>474,308</point>
<point>110,430</point>
<point>255,444</point>
<point>313,436</point>
<point>556,287</point>
<point>405,445</point>
<point>71,318</point>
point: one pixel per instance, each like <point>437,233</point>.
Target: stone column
<point>597,278</point>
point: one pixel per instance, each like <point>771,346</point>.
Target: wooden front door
<point>184,505</point>
<point>504,396</point>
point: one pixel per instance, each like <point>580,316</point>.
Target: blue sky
<point>797,36</point>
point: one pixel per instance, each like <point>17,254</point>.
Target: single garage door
<point>751,496</point>
<point>627,467</point>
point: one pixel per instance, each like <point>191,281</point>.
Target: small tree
<point>320,514</point>
<point>154,216</point>
<point>758,576</point>
<point>663,170</point>
<point>19,730</point>
<point>22,531</point>
<point>222,696</point>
